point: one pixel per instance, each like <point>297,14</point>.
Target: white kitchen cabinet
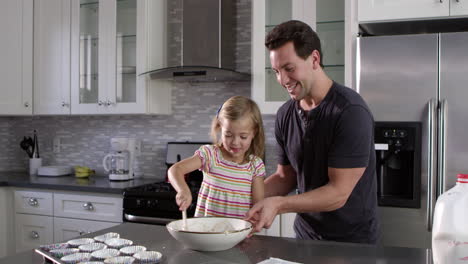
<point>327,17</point>
<point>66,228</point>
<point>378,10</point>
<point>6,222</point>
<point>109,51</point>
<point>16,53</point>
<point>33,202</point>
<point>52,57</point>
<point>274,229</point>
<point>458,8</point>
<point>44,216</point>
<point>33,219</point>
<point>287,225</point>
<point>91,207</point>
<point>32,231</point>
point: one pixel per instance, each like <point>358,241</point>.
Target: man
<point>325,139</point>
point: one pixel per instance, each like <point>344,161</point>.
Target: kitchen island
<point>252,250</point>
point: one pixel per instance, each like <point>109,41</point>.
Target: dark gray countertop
<point>252,250</point>
<point>69,183</point>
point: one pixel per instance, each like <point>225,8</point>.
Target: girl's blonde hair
<point>235,108</point>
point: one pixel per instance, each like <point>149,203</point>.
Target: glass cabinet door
<point>108,51</point>
<point>330,29</point>
<point>125,42</point>
<point>88,51</point>
<point>267,14</point>
<point>276,12</point>
<point>325,16</point>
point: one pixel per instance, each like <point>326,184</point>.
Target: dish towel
<point>276,261</point>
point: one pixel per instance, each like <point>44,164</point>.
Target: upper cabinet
<point>105,37</point>
<point>52,57</point>
<point>108,52</point>
<point>325,16</point>
<point>16,53</point>
<point>331,30</point>
<point>378,10</point>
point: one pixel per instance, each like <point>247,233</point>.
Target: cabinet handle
<point>100,103</point>
<point>81,232</point>
<point>88,206</point>
<point>26,104</point>
<point>109,103</point>
<point>34,235</point>
<point>64,104</point>
<point>33,202</point>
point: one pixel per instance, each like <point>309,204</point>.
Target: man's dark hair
<point>304,38</point>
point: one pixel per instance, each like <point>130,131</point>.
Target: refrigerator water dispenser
<point>398,156</point>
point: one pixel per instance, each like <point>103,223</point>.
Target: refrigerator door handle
<point>431,115</point>
<point>441,148</point>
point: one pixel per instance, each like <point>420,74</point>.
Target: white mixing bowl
<point>210,233</point>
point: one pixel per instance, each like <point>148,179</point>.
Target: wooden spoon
<point>184,220</point>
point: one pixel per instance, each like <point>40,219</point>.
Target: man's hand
<point>263,213</point>
<point>184,199</point>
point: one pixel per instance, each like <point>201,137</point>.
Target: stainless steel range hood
<point>201,42</point>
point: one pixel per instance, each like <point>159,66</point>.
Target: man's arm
<point>281,182</point>
<point>329,197</point>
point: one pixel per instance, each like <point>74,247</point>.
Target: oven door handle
<point>149,220</point>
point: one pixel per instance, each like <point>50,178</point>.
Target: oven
<point>155,203</point>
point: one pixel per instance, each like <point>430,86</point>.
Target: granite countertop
<point>70,183</point>
<point>252,250</point>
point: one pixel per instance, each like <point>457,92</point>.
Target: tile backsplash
<point>85,139</point>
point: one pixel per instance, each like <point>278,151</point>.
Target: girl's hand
<point>184,199</point>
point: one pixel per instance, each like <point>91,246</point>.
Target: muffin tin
<point>76,258</point>
<point>58,253</point>
<point>106,248</point>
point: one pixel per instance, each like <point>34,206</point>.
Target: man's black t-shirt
<point>338,133</point>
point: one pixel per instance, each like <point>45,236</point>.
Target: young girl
<point>232,169</point>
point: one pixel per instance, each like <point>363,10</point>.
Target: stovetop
<point>156,200</point>
<point>158,190</point>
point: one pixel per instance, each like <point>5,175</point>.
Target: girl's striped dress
<point>226,189</point>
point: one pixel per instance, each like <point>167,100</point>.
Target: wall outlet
<point>56,145</point>
<point>137,147</point>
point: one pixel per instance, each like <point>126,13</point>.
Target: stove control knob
<point>140,202</point>
<point>154,203</point>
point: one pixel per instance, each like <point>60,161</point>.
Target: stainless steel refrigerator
<point>419,78</point>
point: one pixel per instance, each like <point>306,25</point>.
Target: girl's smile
<point>236,138</point>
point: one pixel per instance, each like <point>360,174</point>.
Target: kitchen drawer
<point>29,202</point>
<point>90,207</point>
<point>32,231</point>
<point>274,230</point>
<point>66,228</point>
<point>287,225</point>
